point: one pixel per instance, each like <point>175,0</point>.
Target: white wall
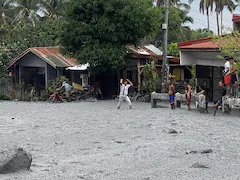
<point>201,58</point>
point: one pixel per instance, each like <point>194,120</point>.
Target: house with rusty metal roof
<point>38,65</point>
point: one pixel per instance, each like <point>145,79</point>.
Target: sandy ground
<point>95,141</point>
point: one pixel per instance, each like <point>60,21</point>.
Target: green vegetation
<point>98,31</point>
<point>229,45</point>
<point>150,77</point>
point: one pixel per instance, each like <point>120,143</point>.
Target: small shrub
<point>4,97</point>
<point>150,77</point>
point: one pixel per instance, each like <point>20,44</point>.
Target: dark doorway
<point>34,76</point>
<point>209,77</point>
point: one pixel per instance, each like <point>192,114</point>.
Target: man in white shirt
<point>124,86</point>
<point>227,65</point>
<point>68,89</point>
<point>227,74</point>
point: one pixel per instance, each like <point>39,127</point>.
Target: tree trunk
<point>221,22</point>
<point>208,26</point>
<point>217,15</point>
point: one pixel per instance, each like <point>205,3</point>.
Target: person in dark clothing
<point>224,93</point>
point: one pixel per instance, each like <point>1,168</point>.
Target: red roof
<point>205,44</point>
<point>50,55</point>
<point>236,18</point>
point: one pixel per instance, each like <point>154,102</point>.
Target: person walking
<point>224,93</point>
<point>68,89</point>
<point>188,94</point>
<point>124,86</point>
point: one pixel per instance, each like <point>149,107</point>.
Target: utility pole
<point>165,46</point>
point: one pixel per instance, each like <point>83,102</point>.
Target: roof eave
<point>200,49</point>
<point>18,58</point>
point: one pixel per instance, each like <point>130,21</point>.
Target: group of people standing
<point>231,77</point>
<point>229,87</point>
<point>171,93</point>
<point>188,95</point>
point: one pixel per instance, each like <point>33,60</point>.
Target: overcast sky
<point>200,21</point>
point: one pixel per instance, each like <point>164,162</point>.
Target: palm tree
<point>230,5</point>
<point>177,4</point>
<point>6,11</point>
<point>206,5</point>
<point>26,11</point>
<point>54,9</point>
<point>185,31</point>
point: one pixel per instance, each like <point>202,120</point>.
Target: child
<point>188,94</point>
<point>171,93</point>
<point>124,86</point>
<point>204,92</point>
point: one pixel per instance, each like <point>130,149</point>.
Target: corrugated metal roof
<point>151,51</point>
<point>51,55</point>
<point>205,43</point>
<point>236,18</point>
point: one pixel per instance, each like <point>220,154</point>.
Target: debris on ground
<point>13,160</point>
<point>199,165</point>
<point>172,131</point>
<point>204,151</point>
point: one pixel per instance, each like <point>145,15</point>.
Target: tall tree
<point>26,11</point>
<point>230,5</point>
<point>6,11</point>
<point>54,9</point>
<point>206,5</point>
<point>177,28</point>
<point>98,31</point>
<point>201,33</point>
<point>177,4</point>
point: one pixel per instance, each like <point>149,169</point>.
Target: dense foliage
<point>150,77</point>
<point>98,31</point>
<point>229,45</point>
<point>95,32</point>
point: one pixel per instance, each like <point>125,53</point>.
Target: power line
<point>212,14</point>
<point>205,25</point>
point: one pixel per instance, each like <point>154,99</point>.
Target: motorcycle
<point>55,97</point>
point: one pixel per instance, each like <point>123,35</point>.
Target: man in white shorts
<point>124,86</point>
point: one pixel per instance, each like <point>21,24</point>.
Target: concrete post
<point>46,75</point>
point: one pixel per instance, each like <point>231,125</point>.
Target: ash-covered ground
<point>96,141</point>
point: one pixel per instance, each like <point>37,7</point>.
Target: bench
<point>229,102</point>
<point>198,99</point>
